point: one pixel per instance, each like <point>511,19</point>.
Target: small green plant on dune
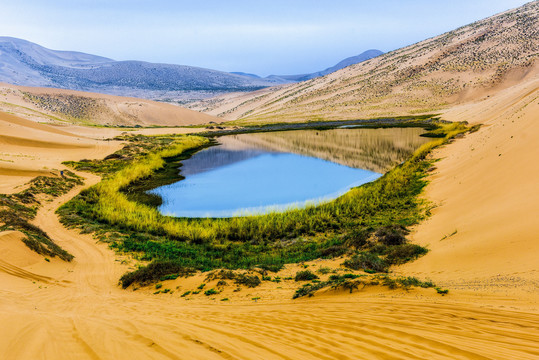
<point>210,292</point>
<point>442,291</point>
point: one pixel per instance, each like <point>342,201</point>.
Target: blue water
<point>259,183</point>
<point>258,173</point>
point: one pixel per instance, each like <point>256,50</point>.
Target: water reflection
<point>372,149</point>
<point>272,171</point>
<point>270,181</point>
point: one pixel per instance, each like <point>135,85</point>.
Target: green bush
<point>442,291</point>
<point>357,238</point>
<point>391,235</point>
<point>272,267</point>
<point>247,280</point>
<point>366,261</point>
<point>305,275</point>
<point>324,270</point>
<point>211,291</point>
<point>401,254</point>
<point>153,272</point>
<point>308,290</point>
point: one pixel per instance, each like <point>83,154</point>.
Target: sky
<point>254,36</point>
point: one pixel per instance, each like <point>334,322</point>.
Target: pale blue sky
<point>262,37</point>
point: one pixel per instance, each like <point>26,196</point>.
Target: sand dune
<point>29,149</point>
<point>64,107</point>
<point>484,233</point>
<point>57,310</point>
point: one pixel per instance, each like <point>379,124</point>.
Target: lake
<point>262,172</point>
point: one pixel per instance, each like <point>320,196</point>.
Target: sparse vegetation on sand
<point>345,225</point>
<point>353,282</point>
<point>17,210</point>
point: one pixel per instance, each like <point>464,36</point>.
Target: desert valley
<point>420,239</point>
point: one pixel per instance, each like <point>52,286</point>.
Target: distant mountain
<point>246,74</point>
<point>364,56</point>
<point>25,63</point>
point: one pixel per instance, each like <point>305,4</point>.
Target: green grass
<point>268,241</point>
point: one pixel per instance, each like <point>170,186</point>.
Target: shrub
<point>333,251</point>
<point>221,274</point>
<point>271,267</point>
<point>351,284</point>
<point>366,261</point>
<point>442,291</point>
<point>211,291</point>
<point>308,290</point>
<point>392,235</point>
<point>357,238</point>
<point>247,280</point>
<point>305,275</point>
<point>405,282</point>
<point>169,277</point>
<point>401,254</point>
<point>153,272</point>
<point>324,270</point>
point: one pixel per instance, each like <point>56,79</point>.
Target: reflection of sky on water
<point>258,172</point>
<point>274,180</point>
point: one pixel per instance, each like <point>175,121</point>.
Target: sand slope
<point>486,192</point>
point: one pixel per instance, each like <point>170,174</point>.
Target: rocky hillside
<point>463,65</point>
